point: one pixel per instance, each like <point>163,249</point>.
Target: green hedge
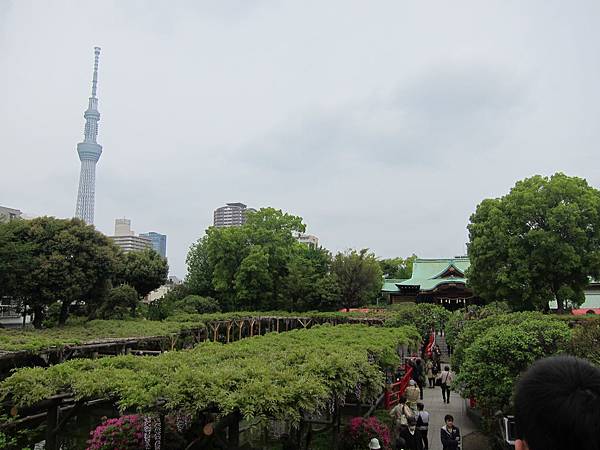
<point>275,375</point>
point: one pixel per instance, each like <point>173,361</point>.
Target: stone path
<point>432,398</point>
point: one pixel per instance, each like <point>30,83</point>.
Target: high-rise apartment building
<point>126,239</point>
<point>159,242</point>
<point>89,153</point>
<point>231,215</point>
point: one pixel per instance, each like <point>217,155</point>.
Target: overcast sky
<point>382,123</point>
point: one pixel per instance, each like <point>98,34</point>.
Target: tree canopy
<point>48,260</point>
<point>260,265</point>
<point>359,277</point>
<point>144,270</point>
<point>398,268</point>
<point>538,243</point>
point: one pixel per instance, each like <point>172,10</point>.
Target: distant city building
<point>123,227</point>
<point>89,153</point>
<point>9,214</point>
<point>231,215</point>
<point>126,239</point>
<point>159,242</point>
<point>308,239</point>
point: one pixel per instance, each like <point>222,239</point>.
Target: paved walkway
<point>432,398</point>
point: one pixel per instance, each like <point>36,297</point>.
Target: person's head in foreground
<point>374,444</point>
<point>557,405</point>
<point>412,424</point>
<point>449,421</point>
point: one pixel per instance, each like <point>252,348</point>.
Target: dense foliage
<point>119,303</point>
<point>276,375</point>
<point>145,270</point>
<point>359,277</point>
<point>499,353</point>
<point>424,316</point>
<point>46,260</point>
<point>260,265</point>
<point>397,268</point>
<point>538,243</point>
<point>586,340</point>
<point>63,262</point>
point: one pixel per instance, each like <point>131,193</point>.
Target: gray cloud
<point>380,123</point>
<point>446,112</point>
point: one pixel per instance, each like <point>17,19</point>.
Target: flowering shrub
<point>360,431</point>
<point>124,433</point>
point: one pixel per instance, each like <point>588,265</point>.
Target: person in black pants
<point>450,434</point>
<point>446,379</point>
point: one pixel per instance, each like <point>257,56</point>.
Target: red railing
<point>395,390</point>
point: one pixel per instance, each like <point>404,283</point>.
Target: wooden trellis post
<point>229,325</point>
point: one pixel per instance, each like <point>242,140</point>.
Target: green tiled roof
<point>427,274</point>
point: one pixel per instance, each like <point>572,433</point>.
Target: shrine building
<point>439,281</point>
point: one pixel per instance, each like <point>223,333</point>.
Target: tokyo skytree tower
<point>89,153</point>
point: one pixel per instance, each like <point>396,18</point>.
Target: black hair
<point>557,405</point>
<point>402,399</point>
<point>420,406</point>
<point>448,417</point>
<point>446,368</point>
<point>411,420</point>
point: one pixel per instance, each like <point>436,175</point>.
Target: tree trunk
<point>64,312</point>
<point>560,305</point>
<point>38,316</point>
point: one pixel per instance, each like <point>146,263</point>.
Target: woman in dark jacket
<point>450,434</point>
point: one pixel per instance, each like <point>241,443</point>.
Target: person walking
<point>450,434</point>
<point>419,376</point>
<point>423,424</point>
<point>430,375</point>
<point>400,413</point>
<point>446,379</point>
<point>412,395</point>
<point>411,436</point>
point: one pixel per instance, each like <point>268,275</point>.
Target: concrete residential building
<point>89,153</point>
<point>231,215</point>
<point>159,242</point>
<point>9,214</point>
<point>126,239</point>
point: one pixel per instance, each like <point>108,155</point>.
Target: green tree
<point>496,357</point>
<point>398,268</point>
<point>538,243</point>
<point>67,261</point>
<point>245,267</point>
<point>144,270</point>
<point>309,284</point>
<point>359,277</point>
<point>200,270</point>
<point>254,281</point>
<point>119,303</point>
<point>195,304</point>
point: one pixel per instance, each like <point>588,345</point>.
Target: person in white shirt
<point>446,378</point>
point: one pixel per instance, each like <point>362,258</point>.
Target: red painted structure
<point>396,390</point>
